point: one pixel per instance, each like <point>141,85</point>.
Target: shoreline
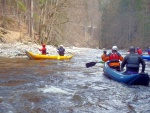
<point>17,50</point>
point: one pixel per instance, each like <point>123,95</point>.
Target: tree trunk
<point>50,27</point>
<point>4,13</point>
<point>31,20</point>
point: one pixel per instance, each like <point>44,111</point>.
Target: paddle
<point>90,64</point>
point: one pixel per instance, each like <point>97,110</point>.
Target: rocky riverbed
<point>18,49</point>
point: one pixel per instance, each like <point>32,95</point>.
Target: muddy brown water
<point>49,86</point>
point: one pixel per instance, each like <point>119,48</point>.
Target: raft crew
<point>148,51</point>
<point>61,50</point>
<point>139,51</point>
<point>43,50</point>
<point>132,62</point>
<point>104,54</point>
<point>114,57</point>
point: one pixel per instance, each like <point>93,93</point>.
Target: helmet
<point>61,46</point>
<point>132,49</point>
<point>138,47</point>
<point>114,48</point>
<point>103,49</point>
<point>149,47</point>
<point>43,45</point>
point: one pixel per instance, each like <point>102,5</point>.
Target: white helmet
<point>61,46</point>
<point>114,48</point>
<point>103,49</point>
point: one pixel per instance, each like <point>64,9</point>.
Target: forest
<point>81,23</point>
<point>52,21</point>
<point>125,23</point>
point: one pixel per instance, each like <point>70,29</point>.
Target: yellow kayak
<point>47,57</point>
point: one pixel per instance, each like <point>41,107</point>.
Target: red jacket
<point>139,51</point>
<point>43,50</point>
<point>114,59</point>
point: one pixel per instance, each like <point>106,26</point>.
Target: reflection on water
<point>49,86</point>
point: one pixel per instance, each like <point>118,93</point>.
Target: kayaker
<point>61,50</point>
<point>114,58</point>
<point>104,54</point>
<point>139,51</point>
<point>132,62</point>
<point>43,50</point>
<point>148,51</point>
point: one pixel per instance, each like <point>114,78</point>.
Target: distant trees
<point>119,22</point>
<point>125,23</point>
<point>53,21</point>
<point>52,18</point>
<point>46,16</point>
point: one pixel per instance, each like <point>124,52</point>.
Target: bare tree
<point>31,19</point>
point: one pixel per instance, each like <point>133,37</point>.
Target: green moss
<point>21,6</point>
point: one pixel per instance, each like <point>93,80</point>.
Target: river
<point>50,86</point>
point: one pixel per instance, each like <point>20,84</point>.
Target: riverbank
<point>13,50</point>
<point>18,49</point>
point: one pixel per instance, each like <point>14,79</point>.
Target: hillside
<point>79,25</point>
<point>9,36</point>
<point>126,23</point>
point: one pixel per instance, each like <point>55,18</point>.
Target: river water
<point>50,86</point>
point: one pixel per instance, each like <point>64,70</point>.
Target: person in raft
<point>132,62</point>
<point>148,51</point>
<point>114,58</point>
<point>61,50</point>
<point>139,51</point>
<point>43,50</point>
<point>104,54</point>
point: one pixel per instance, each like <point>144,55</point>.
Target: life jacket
<point>149,51</point>
<point>103,57</point>
<point>139,51</point>
<point>61,51</point>
<point>114,58</point>
<point>133,61</point>
<point>43,50</point>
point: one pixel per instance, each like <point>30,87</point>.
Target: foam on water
<point>53,89</point>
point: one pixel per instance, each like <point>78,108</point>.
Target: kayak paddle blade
<point>90,64</point>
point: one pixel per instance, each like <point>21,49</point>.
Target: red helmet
<point>43,45</point>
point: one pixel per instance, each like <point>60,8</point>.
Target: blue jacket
<point>61,51</point>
